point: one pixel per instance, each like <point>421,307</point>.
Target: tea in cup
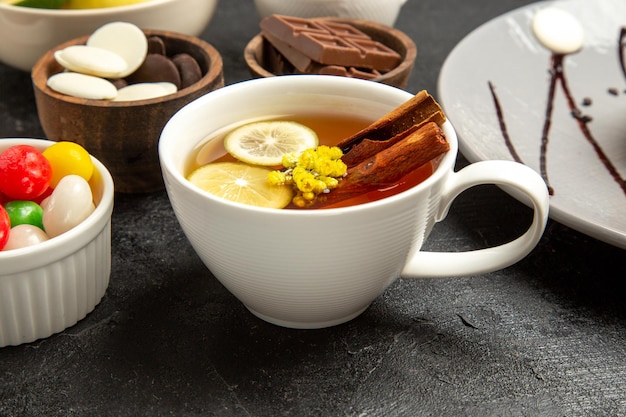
<point>314,268</point>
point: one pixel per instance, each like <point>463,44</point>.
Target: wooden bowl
<point>123,135</point>
<point>259,64</point>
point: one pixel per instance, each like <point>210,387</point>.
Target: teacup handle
<point>424,264</point>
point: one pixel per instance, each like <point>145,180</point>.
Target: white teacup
<point>318,268</point>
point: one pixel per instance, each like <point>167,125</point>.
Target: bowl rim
<point>39,78</point>
<point>85,12</point>
<point>407,60</point>
<point>58,247</point>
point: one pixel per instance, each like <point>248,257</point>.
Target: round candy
<point>68,158</point>
<point>143,91</point>
<point>24,212</point>
<point>70,203</point>
<point>24,172</point>
<point>190,72</point>
<point>92,60</point>
<point>125,40</point>
<point>82,86</point>
<point>24,235</point>
<point>5,227</point>
<point>156,68</point>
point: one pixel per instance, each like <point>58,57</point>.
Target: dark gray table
<point>546,337</point>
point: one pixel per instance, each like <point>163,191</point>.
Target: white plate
<point>505,53</point>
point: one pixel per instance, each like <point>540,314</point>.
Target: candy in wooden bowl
<point>123,134</point>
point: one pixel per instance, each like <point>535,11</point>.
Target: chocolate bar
<point>330,43</point>
<point>299,60</point>
<point>305,65</point>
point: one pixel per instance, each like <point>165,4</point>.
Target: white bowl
<point>382,11</point>
<point>27,33</point>
<point>50,286</point>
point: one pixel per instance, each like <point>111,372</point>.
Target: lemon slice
<point>241,183</point>
<point>265,143</point>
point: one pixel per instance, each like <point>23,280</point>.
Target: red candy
<point>5,226</point>
<point>24,172</point>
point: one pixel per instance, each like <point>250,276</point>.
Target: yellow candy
<point>68,158</point>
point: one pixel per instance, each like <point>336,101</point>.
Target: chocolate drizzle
<point>505,133</point>
<point>620,49</point>
<point>557,76</point>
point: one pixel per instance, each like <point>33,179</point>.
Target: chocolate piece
<point>119,83</point>
<point>344,30</point>
<point>156,45</point>
<point>300,61</point>
<point>156,68</point>
<point>274,60</point>
<point>352,72</point>
<point>188,68</point>
<point>331,43</point>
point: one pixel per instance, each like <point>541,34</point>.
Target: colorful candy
<point>69,204</point>
<point>24,212</point>
<point>68,158</point>
<point>43,194</point>
<point>24,172</point>
<point>24,235</point>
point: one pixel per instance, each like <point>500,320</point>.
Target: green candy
<point>24,212</point>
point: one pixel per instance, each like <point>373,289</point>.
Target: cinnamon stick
<point>367,147</point>
<point>418,109</point>
<point>389,165</point>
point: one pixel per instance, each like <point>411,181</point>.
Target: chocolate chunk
<point>156,68</point>
<point>331,43</point>
<point>351,72</point>
<point>300,61</point>
<point>119,83</point>
<point>156,45</point>
<point>188,68</point>
<point>274,60</point>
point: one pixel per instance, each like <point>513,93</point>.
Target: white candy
<point>123,39</point>
<point>142,91</point>
<point>83,86</point>
<point>92,60</point>
<point>70,203</point>
<point>558,30</point>
<point>24,235</point>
